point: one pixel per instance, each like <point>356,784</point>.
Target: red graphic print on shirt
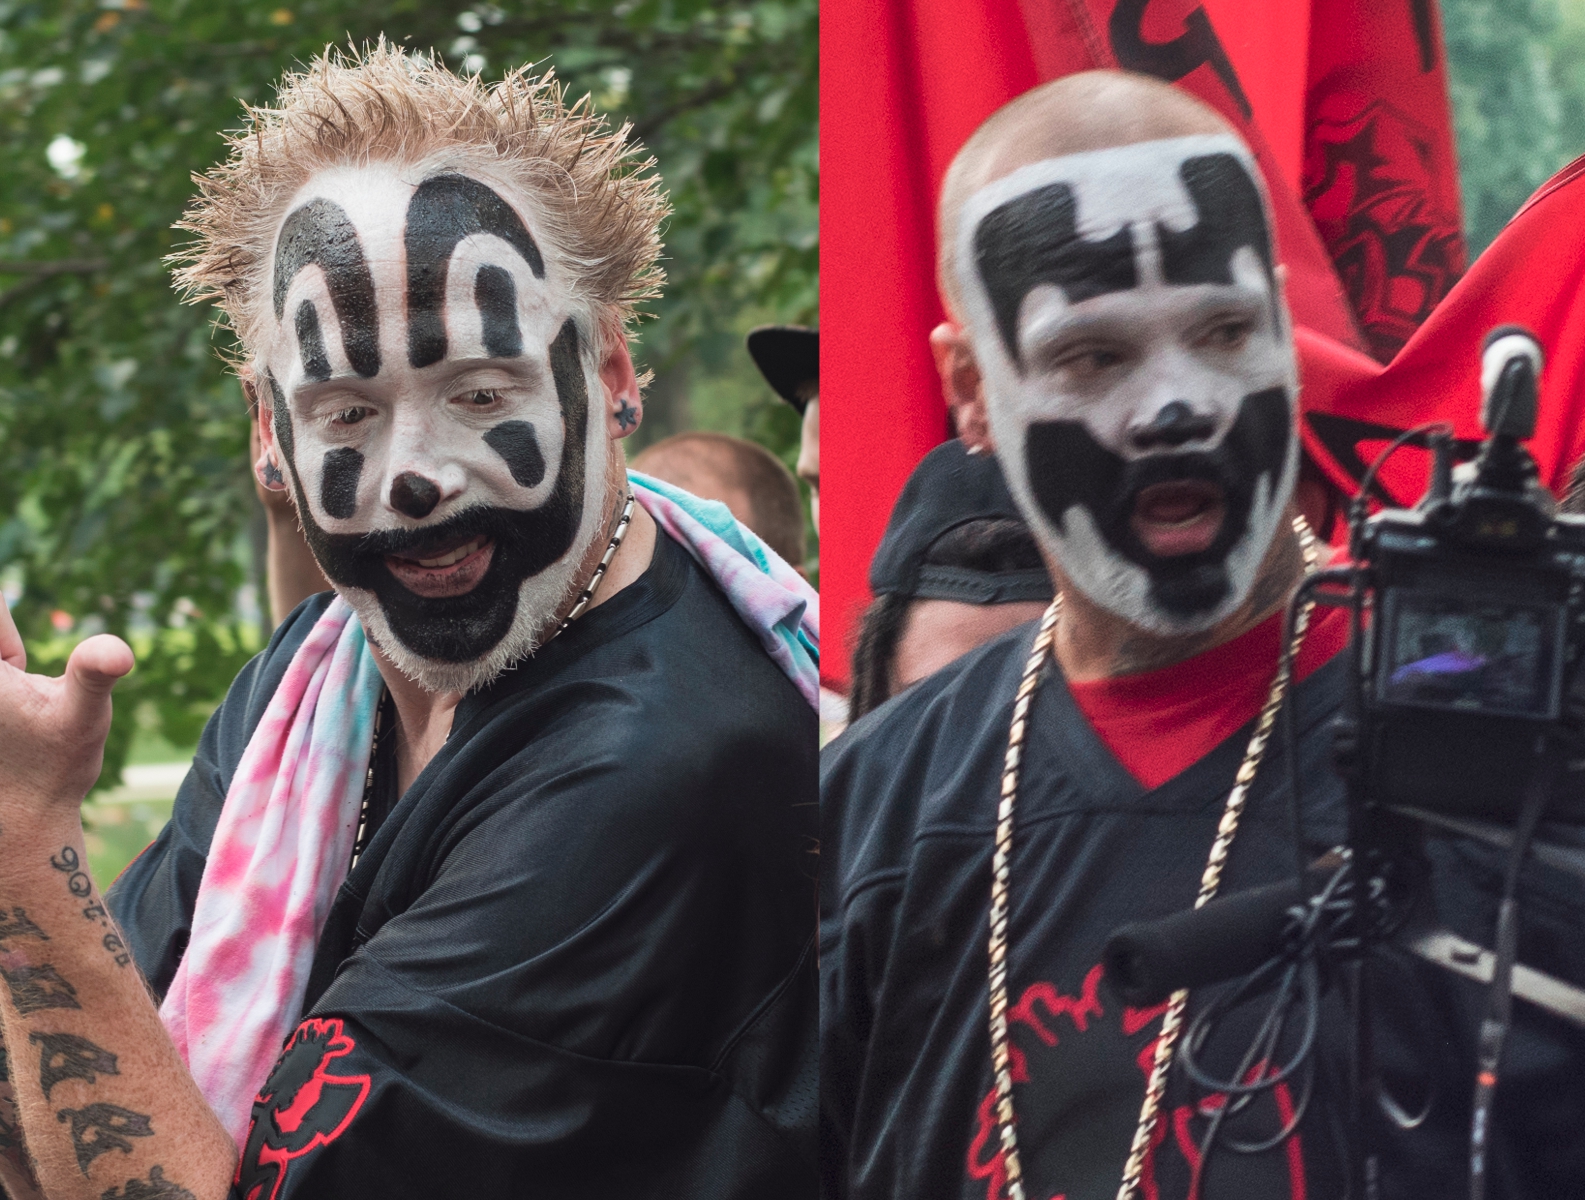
<point>1075,1124</point>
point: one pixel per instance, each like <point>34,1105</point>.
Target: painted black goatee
<point>443,211</point>
<point>457,629</point>
<point>1034,239</point>
<point>320,234</point>
<point>1067,466</point>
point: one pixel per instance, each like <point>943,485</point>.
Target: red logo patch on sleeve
<point>301,1107</point>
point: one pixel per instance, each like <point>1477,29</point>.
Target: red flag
<point>904,83</point>
<point>1531,276</point>
<point>1380,172</point>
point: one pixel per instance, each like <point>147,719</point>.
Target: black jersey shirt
<point>576,959</point>
<point>909,804</point>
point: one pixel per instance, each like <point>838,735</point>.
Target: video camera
<point>1465,699</point>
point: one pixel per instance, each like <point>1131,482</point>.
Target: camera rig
<point>1467,629</point>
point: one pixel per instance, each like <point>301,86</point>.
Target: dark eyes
<point>484,398</point>
<point>1230,334</point>
<point>351,416</point>
<point>1084,362</point>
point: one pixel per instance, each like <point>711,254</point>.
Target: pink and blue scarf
<point>284,839</point>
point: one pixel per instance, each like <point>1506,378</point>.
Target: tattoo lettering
<point>67,1056</point>
<point>156,1187</point>
<point>117,949</point>
<point>77,879</point>
<point>100,1128</point>
<point>18,925</point>
<point>34,989</point>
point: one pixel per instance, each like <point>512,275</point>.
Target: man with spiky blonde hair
<point>503,839</point>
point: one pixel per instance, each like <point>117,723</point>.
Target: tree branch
<point>37,272</point>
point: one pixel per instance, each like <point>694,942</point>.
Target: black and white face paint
<point>431,389</point>
<point>1139,370</point>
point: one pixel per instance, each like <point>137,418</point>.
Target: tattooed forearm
<point>67,1056</point>
<point>155,1187</point>
<point>100,1128</point>
<point>34,989</point>
<point>17,925</point>
<point>11,1147</point>
<point>13,1151</point>
<point>69,863</point>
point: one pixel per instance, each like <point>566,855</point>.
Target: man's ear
<point>962,385</point>
<point>624,403</point>
<point>268,469</point>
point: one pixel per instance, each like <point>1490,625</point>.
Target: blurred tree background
<point>126,501</point>
<point>1517,70</point>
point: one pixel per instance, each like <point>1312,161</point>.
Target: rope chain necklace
<point>359,839</point>
<point>1210,881</point>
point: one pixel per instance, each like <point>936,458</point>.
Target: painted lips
<point>1177,517</point>
<point>446,570</point>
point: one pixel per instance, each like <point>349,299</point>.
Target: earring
<point>268,474</point>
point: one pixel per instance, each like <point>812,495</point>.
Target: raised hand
<point>52,731</point>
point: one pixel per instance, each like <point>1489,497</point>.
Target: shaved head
<point>1106,254</point>
<point>1093,110</point>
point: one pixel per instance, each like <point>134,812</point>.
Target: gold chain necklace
<point>1210,881</point>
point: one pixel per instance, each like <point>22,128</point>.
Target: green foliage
<point>125,498</point>
<point>1517,78</point>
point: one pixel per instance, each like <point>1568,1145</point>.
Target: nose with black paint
<point>414,496</point>
<point>1175,425</point>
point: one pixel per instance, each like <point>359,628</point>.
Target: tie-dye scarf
<point>284,839</point>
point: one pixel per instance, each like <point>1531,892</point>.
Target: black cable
<point>1296,974</point>
<point>1499,993</point>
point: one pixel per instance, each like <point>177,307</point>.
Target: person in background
<point>789,358</point>
<point>956,568</point>
<point>746,477</point>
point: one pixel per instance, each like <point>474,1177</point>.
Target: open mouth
<point>1180,516</point>
<point>452,567</point>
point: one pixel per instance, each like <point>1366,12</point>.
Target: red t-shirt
<point>1159,722</point>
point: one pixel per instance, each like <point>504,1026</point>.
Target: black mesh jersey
<point>909,806</point>
<point>577,958</point>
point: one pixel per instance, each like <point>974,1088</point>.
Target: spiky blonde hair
<point>594,188</point>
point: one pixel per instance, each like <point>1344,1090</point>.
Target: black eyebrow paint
<point>1034,239</point>
<point>443,211</point>
<point>320,233</point>
<point>316,363</point>
<point>496,295</point>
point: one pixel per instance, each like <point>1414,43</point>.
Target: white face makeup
<point>432,408</point>
<point>1139,370</point>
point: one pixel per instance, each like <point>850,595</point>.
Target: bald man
<point>1119,338</point>
<point>746,477</point>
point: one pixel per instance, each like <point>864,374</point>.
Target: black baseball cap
<point>789,358</point>
<point>949,488</point>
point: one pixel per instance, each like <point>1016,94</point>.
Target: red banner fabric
<point>904,83</point>
<point>1531,275</point>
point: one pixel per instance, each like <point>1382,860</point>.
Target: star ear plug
<point>269,475</point>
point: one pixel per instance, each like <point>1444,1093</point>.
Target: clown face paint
<point>430,386</point>
<point>1139,371</point>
